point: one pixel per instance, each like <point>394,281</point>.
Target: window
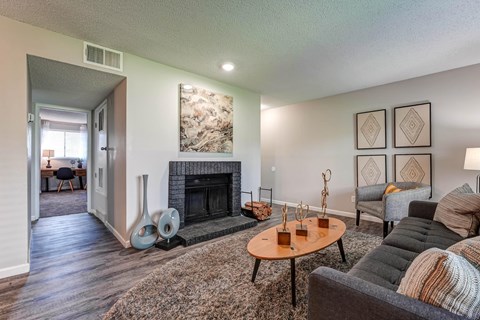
<point>65,143</point>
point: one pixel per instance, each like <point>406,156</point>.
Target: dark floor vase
<point>144,234</point>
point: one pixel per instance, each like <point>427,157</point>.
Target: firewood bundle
<point>260,210</point>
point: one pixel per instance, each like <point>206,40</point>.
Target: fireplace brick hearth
<point>178,170</point>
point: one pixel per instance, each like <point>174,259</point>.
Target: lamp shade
<point>48,153</point>
<point>472,159</point>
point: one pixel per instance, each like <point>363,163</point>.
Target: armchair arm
<point>396,204</point>
<point>335,295</point>
<point>422,209</point>
<point>370,193</point>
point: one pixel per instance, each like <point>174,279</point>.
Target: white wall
<point>151,130</point>
<point>305,139</point>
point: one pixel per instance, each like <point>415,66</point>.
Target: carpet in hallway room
<point>61,203</point>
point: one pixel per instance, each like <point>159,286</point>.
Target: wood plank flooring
<point>79,269</point>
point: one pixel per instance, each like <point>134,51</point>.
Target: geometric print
<point>370,129</point>
<point>412,171</point>
<point>412,125</point>
<point>371,172</point>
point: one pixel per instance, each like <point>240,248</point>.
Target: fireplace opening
<point>207,197</point>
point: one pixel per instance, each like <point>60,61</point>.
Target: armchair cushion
<point>391,188</point>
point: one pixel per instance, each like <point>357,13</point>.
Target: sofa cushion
<point>418,235</point>
<point>444,279</point>
<point>460,211</point>
<point>384,266</point>
<point>469,249</point>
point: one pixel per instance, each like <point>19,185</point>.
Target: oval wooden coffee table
<point>264,245</point>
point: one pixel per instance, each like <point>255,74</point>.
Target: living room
<point>285,147</point>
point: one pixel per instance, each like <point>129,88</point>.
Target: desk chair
<point>63,174</point>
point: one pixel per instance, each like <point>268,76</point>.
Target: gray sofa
<point>368,290</point>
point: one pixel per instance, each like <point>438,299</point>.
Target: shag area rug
<point>61,203</point>
<point>214,282</point>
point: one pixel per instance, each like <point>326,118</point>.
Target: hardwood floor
<point>79,269</point>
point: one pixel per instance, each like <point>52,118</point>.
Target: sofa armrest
<point>422,209</point>
<point>335,295</point>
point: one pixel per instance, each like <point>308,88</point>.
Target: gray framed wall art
<point>371,169</point>
<point>371,129</point>
<point>412,126</point>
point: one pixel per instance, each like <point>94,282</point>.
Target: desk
<point>51,172</point>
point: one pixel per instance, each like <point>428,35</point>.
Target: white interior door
<point>100,158</point>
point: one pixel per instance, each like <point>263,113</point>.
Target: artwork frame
<point>413,167</point>
<point>371,169</point>
<point>412,126</point>
<point>371,130</point>
<point>206,121</point>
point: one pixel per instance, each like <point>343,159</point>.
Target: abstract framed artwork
<point>413,167</point>
<point>371,131</point>
<point>412,126</point>
<point>206,121</point>
<point>371,169</point>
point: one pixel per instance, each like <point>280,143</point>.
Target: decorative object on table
<point>472,162</point>
<point>79,163</point>
<point>259,210</point>
<point>283,234</point>
<point>72,162</point>
<point>371,169</point>
<point>323,219</point>
<point>412,126</point>
<point>413,168</point>
<point>48,153</point>
<point>301,212</point>
<point>371,129</point>
<point>206,121</point>
<point>168,226</point>
<point>144,234</point>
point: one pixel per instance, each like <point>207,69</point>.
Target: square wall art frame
<point>371,129</point>
<point>412,126</point>
<point>206,121</point>
<point>413,167</point>
<point>371,169</point>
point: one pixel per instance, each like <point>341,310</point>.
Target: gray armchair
<point>389,207</point>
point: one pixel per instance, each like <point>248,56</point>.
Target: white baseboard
<point>13,271</point>
<point>363,216</point>
<point>102,217</point>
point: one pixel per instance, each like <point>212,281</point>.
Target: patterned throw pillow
<point>391,188</point>
<point>444,279</point>
<point>459,211</point>
<point>469,249</point>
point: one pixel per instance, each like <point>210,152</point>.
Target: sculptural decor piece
<point>144,234</point>
<point>323,219</point>
<point>301,213</point>
<point>168,226</point>
<point>283,234</point>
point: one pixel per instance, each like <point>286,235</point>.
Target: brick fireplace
<point>204,190</point>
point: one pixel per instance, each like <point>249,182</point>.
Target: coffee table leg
<point>292,274</point>
<point>255,269</point>
<point>340,246</point>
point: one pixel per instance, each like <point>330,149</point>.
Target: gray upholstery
<point>393,206</point>
<point>368,290</point>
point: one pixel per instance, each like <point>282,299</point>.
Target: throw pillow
<point>459,211</point>
<point>444,279</point>
<point>391,188</point>
<point>469,249</point>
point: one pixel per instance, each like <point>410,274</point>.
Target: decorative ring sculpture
<point>169,223</point>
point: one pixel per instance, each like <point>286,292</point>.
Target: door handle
<point>104,148</point>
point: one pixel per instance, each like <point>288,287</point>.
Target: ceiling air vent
<point>101,56</point>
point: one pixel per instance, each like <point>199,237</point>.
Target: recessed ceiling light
<point>228,66</point>
<point>187,86</point>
